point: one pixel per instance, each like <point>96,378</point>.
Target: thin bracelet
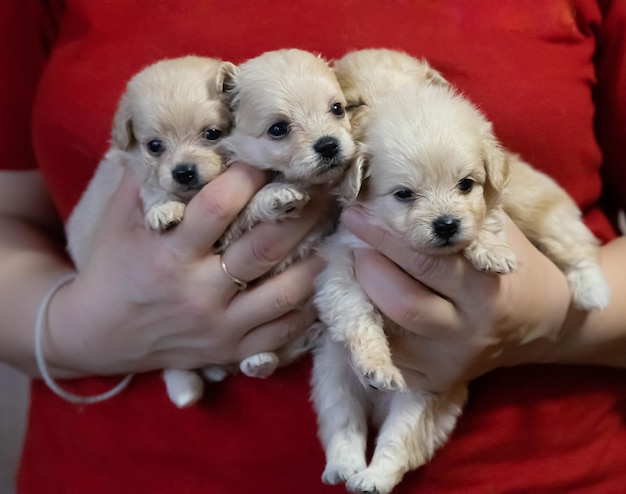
<point>42,317</point>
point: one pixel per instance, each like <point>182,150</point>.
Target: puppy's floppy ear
<point>227,82</point>
<point>354,182</point>
<point>122,133</point>
<point>497,166</point>
<point>225,77</point>
<point>435,78</point>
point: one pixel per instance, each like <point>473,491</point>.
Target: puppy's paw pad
<point>339,472</point>
<point>260,365</point>
<point>288,203</point>
<point>164,216</point>
<point>494,259</point>
<point>184,388</point>
<point>590,291</point>
<point>387,378</point>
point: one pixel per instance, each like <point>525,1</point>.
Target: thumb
<point>124,209</point>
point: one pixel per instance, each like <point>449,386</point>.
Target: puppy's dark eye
<point>155,146</point>
<point>278,130</point>
<point>212,134</point>
<point>404,195</point>
<point>337,110</point>
<point>466,185</point>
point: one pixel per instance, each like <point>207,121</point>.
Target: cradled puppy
<point>168,122</point>
<point>431,171</point>
<point>166,129</point>
<point>367,75</point>
<point>288,117</point>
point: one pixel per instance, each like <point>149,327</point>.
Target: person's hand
<point>151,300</point>
<point>461,322</point>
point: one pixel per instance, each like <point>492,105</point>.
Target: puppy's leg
<point>549,217</point>
<point>183,387</point>
<point>339,400</point>
<point>572,247</point>
<point>264,364</point>
<point>275,201</point>
<point>489,251</point>
<point>414,426</point>
<point>352,318</point>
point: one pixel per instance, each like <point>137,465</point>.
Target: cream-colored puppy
<point>289,118</point>
<point>166,129</point>
<point>435,175</point>
<point>367,75</point>
<point>168,122</point>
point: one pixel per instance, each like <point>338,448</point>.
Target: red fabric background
<point>528,64</point>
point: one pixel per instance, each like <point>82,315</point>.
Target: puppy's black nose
<point>327,147</point>
<point>185,173</point>
<point>446,226</point>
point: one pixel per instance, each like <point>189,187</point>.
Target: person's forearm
<point>31,261</point>
<point>598,338</point>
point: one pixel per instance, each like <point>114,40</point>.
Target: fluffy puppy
<point>288,117</point>
<point>367,75</point>
<point>432,172</point>
<point>166,129</point>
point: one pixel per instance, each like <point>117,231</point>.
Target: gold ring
<point>241,285</point>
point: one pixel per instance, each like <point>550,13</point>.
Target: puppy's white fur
<point>168,122</point>
<point>289,117</point>
<point>426,155</point>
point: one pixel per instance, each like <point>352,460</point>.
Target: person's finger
<point>259,250</point>
<point>447,275</point>
<point>402,299</point>
<point>276,296</point>
<point>210,212</point>
<point>271,336</point>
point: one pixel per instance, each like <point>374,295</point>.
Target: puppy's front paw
<point>386,377</point>
<point>163,216</point>
<point>260,365</point>
<point>287,202</point>
<point>493,258</point>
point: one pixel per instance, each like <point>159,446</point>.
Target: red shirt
<point>551,75</point>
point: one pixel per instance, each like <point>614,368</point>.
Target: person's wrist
<point>61,341</point>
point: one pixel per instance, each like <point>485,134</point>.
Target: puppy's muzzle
<point>327,147</point>
<point>329,151</point>
<point>186,174</point>
<point>445,227</point>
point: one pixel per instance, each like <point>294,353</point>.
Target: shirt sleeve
<point>27,30</point>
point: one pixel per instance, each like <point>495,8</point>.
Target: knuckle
<point>424,267</point>
<point>267,250</point>
<point>405,311</point>
<point>212,205</point>
<point>286,300</point>
<point>295,327</point>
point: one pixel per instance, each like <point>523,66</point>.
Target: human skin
<point>463,323</point>
<point>146,300</point>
